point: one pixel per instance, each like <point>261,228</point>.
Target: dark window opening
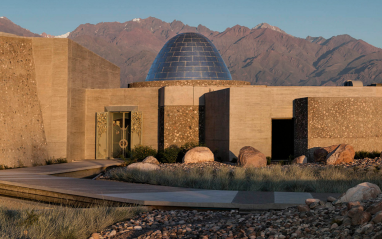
<point>282,138</point>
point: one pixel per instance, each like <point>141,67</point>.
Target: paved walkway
<point>40,182</point>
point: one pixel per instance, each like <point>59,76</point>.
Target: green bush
<point>169,155</point>
<point>364,154</point>
<point>269,160</point>
<point>140,152</point>
<point>55,161</point>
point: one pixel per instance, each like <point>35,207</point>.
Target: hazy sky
<point>362,19</point>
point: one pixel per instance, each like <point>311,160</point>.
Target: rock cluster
<point>335,154</point>
<point>316,219</point>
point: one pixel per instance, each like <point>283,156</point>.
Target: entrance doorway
<point>282,138</point>
<point>117,133</point>
<point>120,135</point>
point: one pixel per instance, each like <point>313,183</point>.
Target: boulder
<point>151,159</point>
<point>143,166</point>
<point>309,201</point>
<point>335,154</point>
<point>331,199</point>
<point>251,157</point>
<point>300,160</point>
<point>350,205</point>
<point>363,191</point>
<point>377,218</point>
<point>360,218</point>
<point>303,208</point>
<point>344,153</point>
<point>355,211</point>
<point>320,154</point>
<point>374,208</point>
<point>198,155</point>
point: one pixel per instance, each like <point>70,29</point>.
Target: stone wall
<point>188,83</point>
<point>22,140</point>
<point>335,120</point>
<point>300,116</point>
<point>181,124</point>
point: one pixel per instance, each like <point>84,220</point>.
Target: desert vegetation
<point>293,178</point>
<point>60,222</point>
<point>171,154</point>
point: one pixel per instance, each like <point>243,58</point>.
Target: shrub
<point>364,154</point>
<point>169,155</point>
<point>361,154</point>
<point>55,161</point>
<point>269,160</point>
<point>140,152</point>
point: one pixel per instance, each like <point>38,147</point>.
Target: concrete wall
<point>252,109</point>
<point>217,122</point>
<point>51,65</point>
<point>328,121</point>
<point>145,98</point>
<point>86,70</point>
<point>22,141</point>
<point>53,74</point>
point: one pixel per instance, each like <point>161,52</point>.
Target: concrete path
<point>39,183</point>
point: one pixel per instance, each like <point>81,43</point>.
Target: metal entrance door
<point>120,134</point>
<point>117,133</point>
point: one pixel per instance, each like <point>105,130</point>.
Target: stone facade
<point>180,125</point>
<point>22,141</point>
<point>326,121</point>
<point>188,83</point>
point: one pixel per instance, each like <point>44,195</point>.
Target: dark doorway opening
<point>282,138</point>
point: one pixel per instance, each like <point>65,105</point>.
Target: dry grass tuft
<point>60,222</point>
<point>330,179</point>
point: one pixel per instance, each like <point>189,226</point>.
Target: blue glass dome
<point>188,56</point>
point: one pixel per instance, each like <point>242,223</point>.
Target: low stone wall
<point>188,83</point>
<point>321,122</point>
<point>180,124</point>
<point>22,141</point>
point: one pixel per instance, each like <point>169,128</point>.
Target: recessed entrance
<point>282,138</point>
<point>117,133</point>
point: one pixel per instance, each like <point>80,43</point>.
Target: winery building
<point>59,99</point>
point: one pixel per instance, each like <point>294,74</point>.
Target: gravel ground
<point>323,221</point>
<point>327,220</point>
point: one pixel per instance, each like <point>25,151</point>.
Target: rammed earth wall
<point>321,122</point>
<point>22,141</point>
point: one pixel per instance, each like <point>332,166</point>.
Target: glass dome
<point>188,56</point>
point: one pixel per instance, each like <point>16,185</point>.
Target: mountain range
<point>263,54</point>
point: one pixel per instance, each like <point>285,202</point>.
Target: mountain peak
<point>266,25</point>
<point>7,26</point>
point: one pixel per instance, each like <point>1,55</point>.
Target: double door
<point>117,133</point>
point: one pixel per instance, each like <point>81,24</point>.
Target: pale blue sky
<point>361,19</point>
